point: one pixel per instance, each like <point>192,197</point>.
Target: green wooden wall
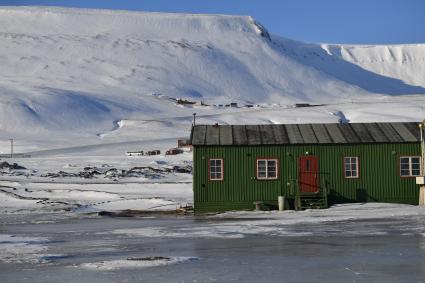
<point>378,169</point>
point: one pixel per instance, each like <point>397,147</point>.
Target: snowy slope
<point>388,69</point>
<point>403,62</point>
<point>77,76</point>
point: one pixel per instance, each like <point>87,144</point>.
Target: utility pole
<point>421,180</point>
<point>11,148</point>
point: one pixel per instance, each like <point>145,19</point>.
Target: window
<point>351,167</point>
<point>267,169</point>
<point>410,166</point>
<point>215,169</point>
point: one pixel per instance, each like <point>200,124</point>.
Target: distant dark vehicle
<point>302,105</point>
<point>185,102</point>
<point>153,152</point>
<point>174,151</point>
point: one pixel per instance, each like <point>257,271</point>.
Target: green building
<point>311,165</point>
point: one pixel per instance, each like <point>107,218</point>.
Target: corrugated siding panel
<point>379,176</point>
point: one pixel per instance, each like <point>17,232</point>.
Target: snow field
<point>116,92</point>
<point>80,198</point>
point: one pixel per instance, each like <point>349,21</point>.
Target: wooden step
<point>312,202</point>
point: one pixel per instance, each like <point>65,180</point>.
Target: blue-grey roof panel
<point>226,136</point>
<point>279,134</point>
<point>239,135</point>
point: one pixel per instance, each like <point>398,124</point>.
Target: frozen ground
<point>93,183</point>
<point>356,243</point>
<point>51,231</point>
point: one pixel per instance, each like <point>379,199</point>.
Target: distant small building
<point>312,165</point>
<point>183,143</point>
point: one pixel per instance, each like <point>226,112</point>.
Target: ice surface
<point>276,223</point>
<point>388,248</point>
<point>18,249</point>
<point>134,263</point>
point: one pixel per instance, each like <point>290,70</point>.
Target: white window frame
<point>210,171</point>
<point>267,160</point>
<point>410,169</point>
<point>350,162</point>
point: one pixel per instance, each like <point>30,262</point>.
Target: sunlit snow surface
<point>110,88</point>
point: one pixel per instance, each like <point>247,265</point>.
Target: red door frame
<point>308,174</point>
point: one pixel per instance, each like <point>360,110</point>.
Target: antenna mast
<point>11,148</point>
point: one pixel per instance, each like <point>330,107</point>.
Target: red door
<point>308,168</point>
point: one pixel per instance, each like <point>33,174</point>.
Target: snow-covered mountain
<point>81,71</point>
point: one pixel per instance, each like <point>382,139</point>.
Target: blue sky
<point>333,21</point>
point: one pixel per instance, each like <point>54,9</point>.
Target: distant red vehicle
<point>174,151</point>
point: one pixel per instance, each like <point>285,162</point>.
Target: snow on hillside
<point>72,77</point>
<point>403,62</point>
<point>387,69</point>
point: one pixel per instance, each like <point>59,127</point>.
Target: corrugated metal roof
<point>353,133</point>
